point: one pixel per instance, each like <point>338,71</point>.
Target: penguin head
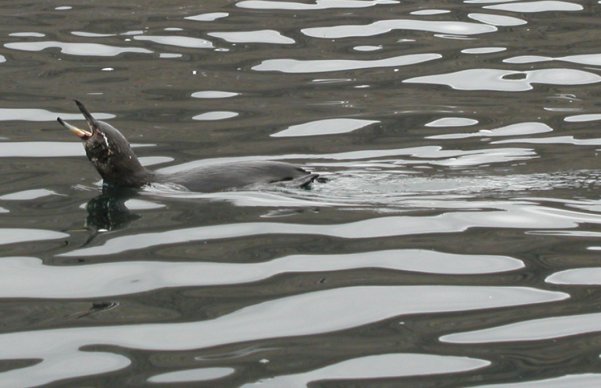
<point>109,151</point>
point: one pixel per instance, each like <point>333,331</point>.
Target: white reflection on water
<point>213,94</point>
<point>27,34</point>
<point>208,17</point>
<point>27,277</point>
<point>483,50</point>
<point>551,140</point>
<point>518,129</point>
<point>367,48</point>
<point>152,160</point>
<point>451,122</point>
<point>508,215</point>
<point>19,235</point>
<point>188,375</point>
<point>137,204</point>
<point>422,12</point>
<point>305,314</point>
<point>32,114</point>
<point>583,118</point>
<point>497,20</point>
<point>384,26</point>
<point>176,40</point>
<point>319,4</point>
<point>323,65</point>
<point>584,380</point>
<point>583,59</point>
<point>537,6</point>
<point>259,36</point>
<point>87,34</point>
<point>215,115</point>
<point>45,149</point>
<point>580,276</point>
<point>532,330</point>
<point>86,49</point>
<point>507,80</point>
<point>169,55</point>
<point>324,127</point>
<point>378,366</point>
<point>27,195</point>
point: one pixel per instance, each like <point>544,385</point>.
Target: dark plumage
<point>110,152</point>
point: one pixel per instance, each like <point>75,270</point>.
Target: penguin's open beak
<point>89,118</point>
<point>81,133</point>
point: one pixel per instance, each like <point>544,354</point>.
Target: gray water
<point>455,243</point>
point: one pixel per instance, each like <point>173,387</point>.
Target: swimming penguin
<point>110,152</point>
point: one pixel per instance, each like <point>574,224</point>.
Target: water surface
<point>455,242</point>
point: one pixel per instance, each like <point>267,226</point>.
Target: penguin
<point>112,156</point>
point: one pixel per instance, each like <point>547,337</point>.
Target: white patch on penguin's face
<point>106,143</point>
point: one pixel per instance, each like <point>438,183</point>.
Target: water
<point>455,243</point>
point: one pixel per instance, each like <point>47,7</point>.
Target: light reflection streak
<point>61,357</point>
<point>512,216</point>
<point>27,277</point>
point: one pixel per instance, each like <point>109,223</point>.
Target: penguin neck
<point>134,178</point>
<point>123,170</point>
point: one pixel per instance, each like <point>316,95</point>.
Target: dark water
<point>456,242</point>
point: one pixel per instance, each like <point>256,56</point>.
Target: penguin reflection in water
<point>110,152</point>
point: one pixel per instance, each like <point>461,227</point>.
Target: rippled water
<point>455,242</point>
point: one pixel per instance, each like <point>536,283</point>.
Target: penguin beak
<point>81,133</point>
<point>89,118</point>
